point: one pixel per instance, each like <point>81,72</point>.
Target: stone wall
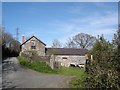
<point>33,57</point>
<point>40,47</point>
<point>66,60</point>
<point>52,60</point>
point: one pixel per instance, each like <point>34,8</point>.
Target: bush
<point>102,69</point>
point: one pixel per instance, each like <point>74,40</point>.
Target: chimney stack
<point>22,39</point>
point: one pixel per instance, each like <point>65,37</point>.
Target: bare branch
<point>56,44</point>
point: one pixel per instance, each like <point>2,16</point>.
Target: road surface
<point>15,76</point>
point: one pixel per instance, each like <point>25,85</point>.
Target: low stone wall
<point>55,61</point>
<point>36,57</point>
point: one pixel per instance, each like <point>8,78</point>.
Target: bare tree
<point>56,44</point>
<point>70,43</point>
<point>83,40</point>
<point>10,46</point>
<point>6,36</point>
<point>0,35</point>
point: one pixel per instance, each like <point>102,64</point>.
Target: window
<point>33,47</point>
<point>64,58</point>
<point>33,44</point>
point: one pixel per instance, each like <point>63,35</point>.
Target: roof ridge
<point>32,37</point>
<point>65,48</point>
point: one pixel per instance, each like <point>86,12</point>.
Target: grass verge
<point>77,82</point>
<point>72,71</point>
<point>36,65</point>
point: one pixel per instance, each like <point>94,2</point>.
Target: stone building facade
<point>68,56</point>
<point>67,60</point>
<point>33,44</point>
<point>65,56</point>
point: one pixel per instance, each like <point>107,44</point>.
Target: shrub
<point>102,68</point>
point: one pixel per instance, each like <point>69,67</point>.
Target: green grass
<point>72,71</point>
<point>36,65</point>
<point>77,82</point>
<point>43,67</point>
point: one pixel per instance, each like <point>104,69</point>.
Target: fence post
<point>52,59</point>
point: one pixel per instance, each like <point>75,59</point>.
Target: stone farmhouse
<point>33,43</point>
<point>65,56</point>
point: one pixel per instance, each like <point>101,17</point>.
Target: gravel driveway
<point>15,76</point>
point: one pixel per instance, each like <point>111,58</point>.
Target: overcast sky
<point>50,21</point>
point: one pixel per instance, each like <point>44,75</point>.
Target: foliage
<point>102,50</point>
<point>102,69</point>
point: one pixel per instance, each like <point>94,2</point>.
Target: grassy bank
<point>72,71</point>
<point>36,65</point>
<point>39,66</point>
<point>78,82</point>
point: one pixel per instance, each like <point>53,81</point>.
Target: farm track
<point>15,76</point>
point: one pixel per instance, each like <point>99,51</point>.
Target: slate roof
<point>34,37</point>
<point>66,51</point>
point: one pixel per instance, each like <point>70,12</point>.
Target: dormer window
<point>33,44</point>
